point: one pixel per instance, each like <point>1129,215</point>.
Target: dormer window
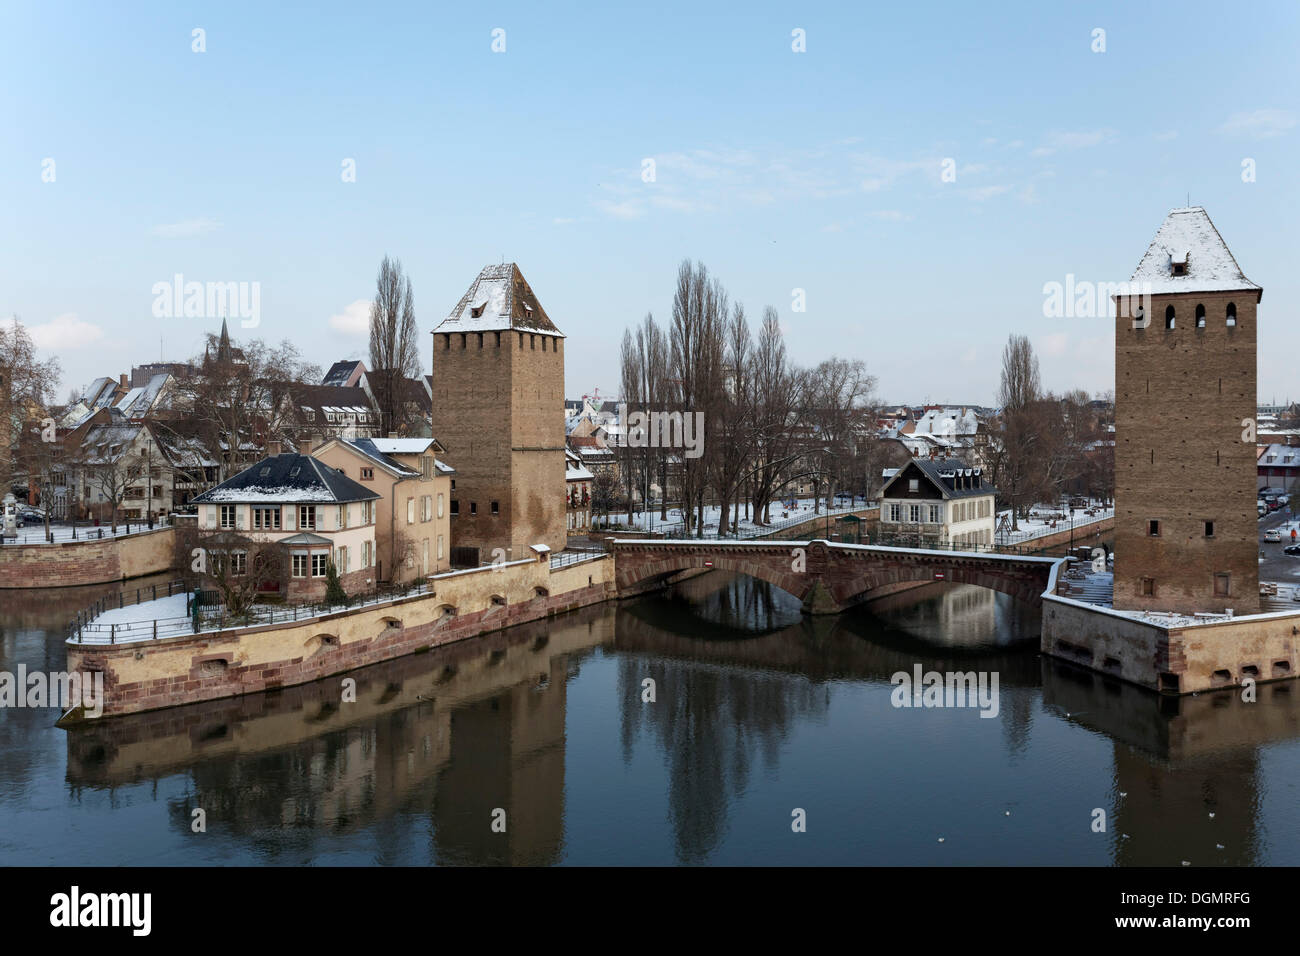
<point>1178,263</point>
<point>476,311</point>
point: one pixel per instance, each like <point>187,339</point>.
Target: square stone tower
<point>498,409</point>
<point>1186,534</point>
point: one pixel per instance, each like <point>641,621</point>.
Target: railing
<point>563,559</point>
<point>124,599</point>
<point>678,529</point>
<point>63,534</point>
<point>86,631</point>
<point>913,543</point>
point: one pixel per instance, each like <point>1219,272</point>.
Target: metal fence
<point>85,630</point>
<point>773,530</point>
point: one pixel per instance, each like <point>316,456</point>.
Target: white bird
<point>1218,846</point>
<point>1123,793</point>
<point>940,839</point>
<point>1211,816</point>
<point>1186,863</point>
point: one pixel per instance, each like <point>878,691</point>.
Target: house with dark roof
<point>322,412</point>
<point>313,513</point>
<point>345,374</point>
<point>413,520</point>
<point>938,502</point>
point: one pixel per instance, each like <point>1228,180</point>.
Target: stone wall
<point>149,675</point>
<point>1182,660</point>
<point>78,563</point>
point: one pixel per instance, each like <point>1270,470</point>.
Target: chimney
<point>121,380</point>
<point>273,448</point>
<point>304,446</point>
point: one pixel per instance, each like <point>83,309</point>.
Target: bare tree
<point>1018,443</point>
<point>27,388</point>
<point>394,344</point>
<point>112,477</point>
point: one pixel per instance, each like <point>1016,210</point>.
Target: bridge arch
<point>651,568</point>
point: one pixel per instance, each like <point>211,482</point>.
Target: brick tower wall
<point>537,411</point>
<point>1180,398</point>
<point>471,419</point>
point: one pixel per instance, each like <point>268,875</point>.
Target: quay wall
<point>1171,659</point>
<point>94,561</point>
<point>148,675</point>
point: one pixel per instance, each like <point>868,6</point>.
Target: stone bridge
<point>826,576</point>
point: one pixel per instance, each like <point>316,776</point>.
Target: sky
<point>902,189</point>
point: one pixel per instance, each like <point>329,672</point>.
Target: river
<point>761,719</point>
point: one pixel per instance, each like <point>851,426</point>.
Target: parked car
<point>1272,534</point>
<point>1262,508</point>
<point>1284,500</point>
<point>1292,549</point>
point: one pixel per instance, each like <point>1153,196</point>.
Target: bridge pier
<point>818,600</point>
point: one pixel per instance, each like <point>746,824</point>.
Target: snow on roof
<point>402,446</point>
<point>1187,235</point>
<point>498,298</point>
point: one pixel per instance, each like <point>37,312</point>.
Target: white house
<point>938,502</point>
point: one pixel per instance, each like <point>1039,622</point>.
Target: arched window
<point>1200,316</point>
<point>1231,315</point>
<point>1169,317</point>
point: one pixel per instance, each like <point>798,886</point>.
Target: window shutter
<point>239,517</point>
<point>212,516</point>
<point>290,518</point>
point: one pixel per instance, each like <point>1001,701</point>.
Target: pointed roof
<point>1188,236</point>
<point>499,298</point>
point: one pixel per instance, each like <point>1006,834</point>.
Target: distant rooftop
<point>499,298</point>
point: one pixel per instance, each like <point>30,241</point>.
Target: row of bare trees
<point>768,424</point>
<point>1046,446</point>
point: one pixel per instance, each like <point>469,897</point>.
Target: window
<point>440,508</point>
<point>1148,587</point>
<point>266,519</point>
<point>238,563</point>
<point>1153,528</point>
<point>936,514</point>
<point>307,517</point>
<point>343,560</point>
<point>426,467</point>
<point>439,547</point>
<point>893,512</point>
<point>367,474</point>
<point>1169,316</point>
<point>426,508</point>
<point>496,508</point>
<point>342,518</point>
<point>473,508</point>
<point>455,507</point>
<point>227,516</point>
<point>367,512</point>
<point>300,565</point>
<point>318,565</point>
<point>410,511</point>
<point>1231,315</point>
<point>365,554</point>
<point>1200,316</point>
<point>1222,585</point>
<point>1209,529</point>
<point>913,484</point>
<point>914,513</point>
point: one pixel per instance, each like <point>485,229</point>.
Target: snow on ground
<point>1039,524</point>
<point>35,533</point>
<point>163,609</point>
<point>802,511</point>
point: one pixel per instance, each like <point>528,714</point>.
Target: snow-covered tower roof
<point>1189,255</point>
<point>500,298</point>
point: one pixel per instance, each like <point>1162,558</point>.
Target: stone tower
<point>498,409</point>
<point>1185,475</point>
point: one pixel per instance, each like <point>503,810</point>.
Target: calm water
<point>758,711</point>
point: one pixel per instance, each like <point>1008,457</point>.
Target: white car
<point>1272,534</point>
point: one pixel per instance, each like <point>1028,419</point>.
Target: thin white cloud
<point>65,332</point>
<point>1260,124</point>
<point>186,229</point>
<point>354,319</point>
<point>1076,139</point>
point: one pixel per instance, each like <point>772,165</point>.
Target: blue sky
<point>819,170</point>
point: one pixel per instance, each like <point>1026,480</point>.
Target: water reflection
<point>755,706</point>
